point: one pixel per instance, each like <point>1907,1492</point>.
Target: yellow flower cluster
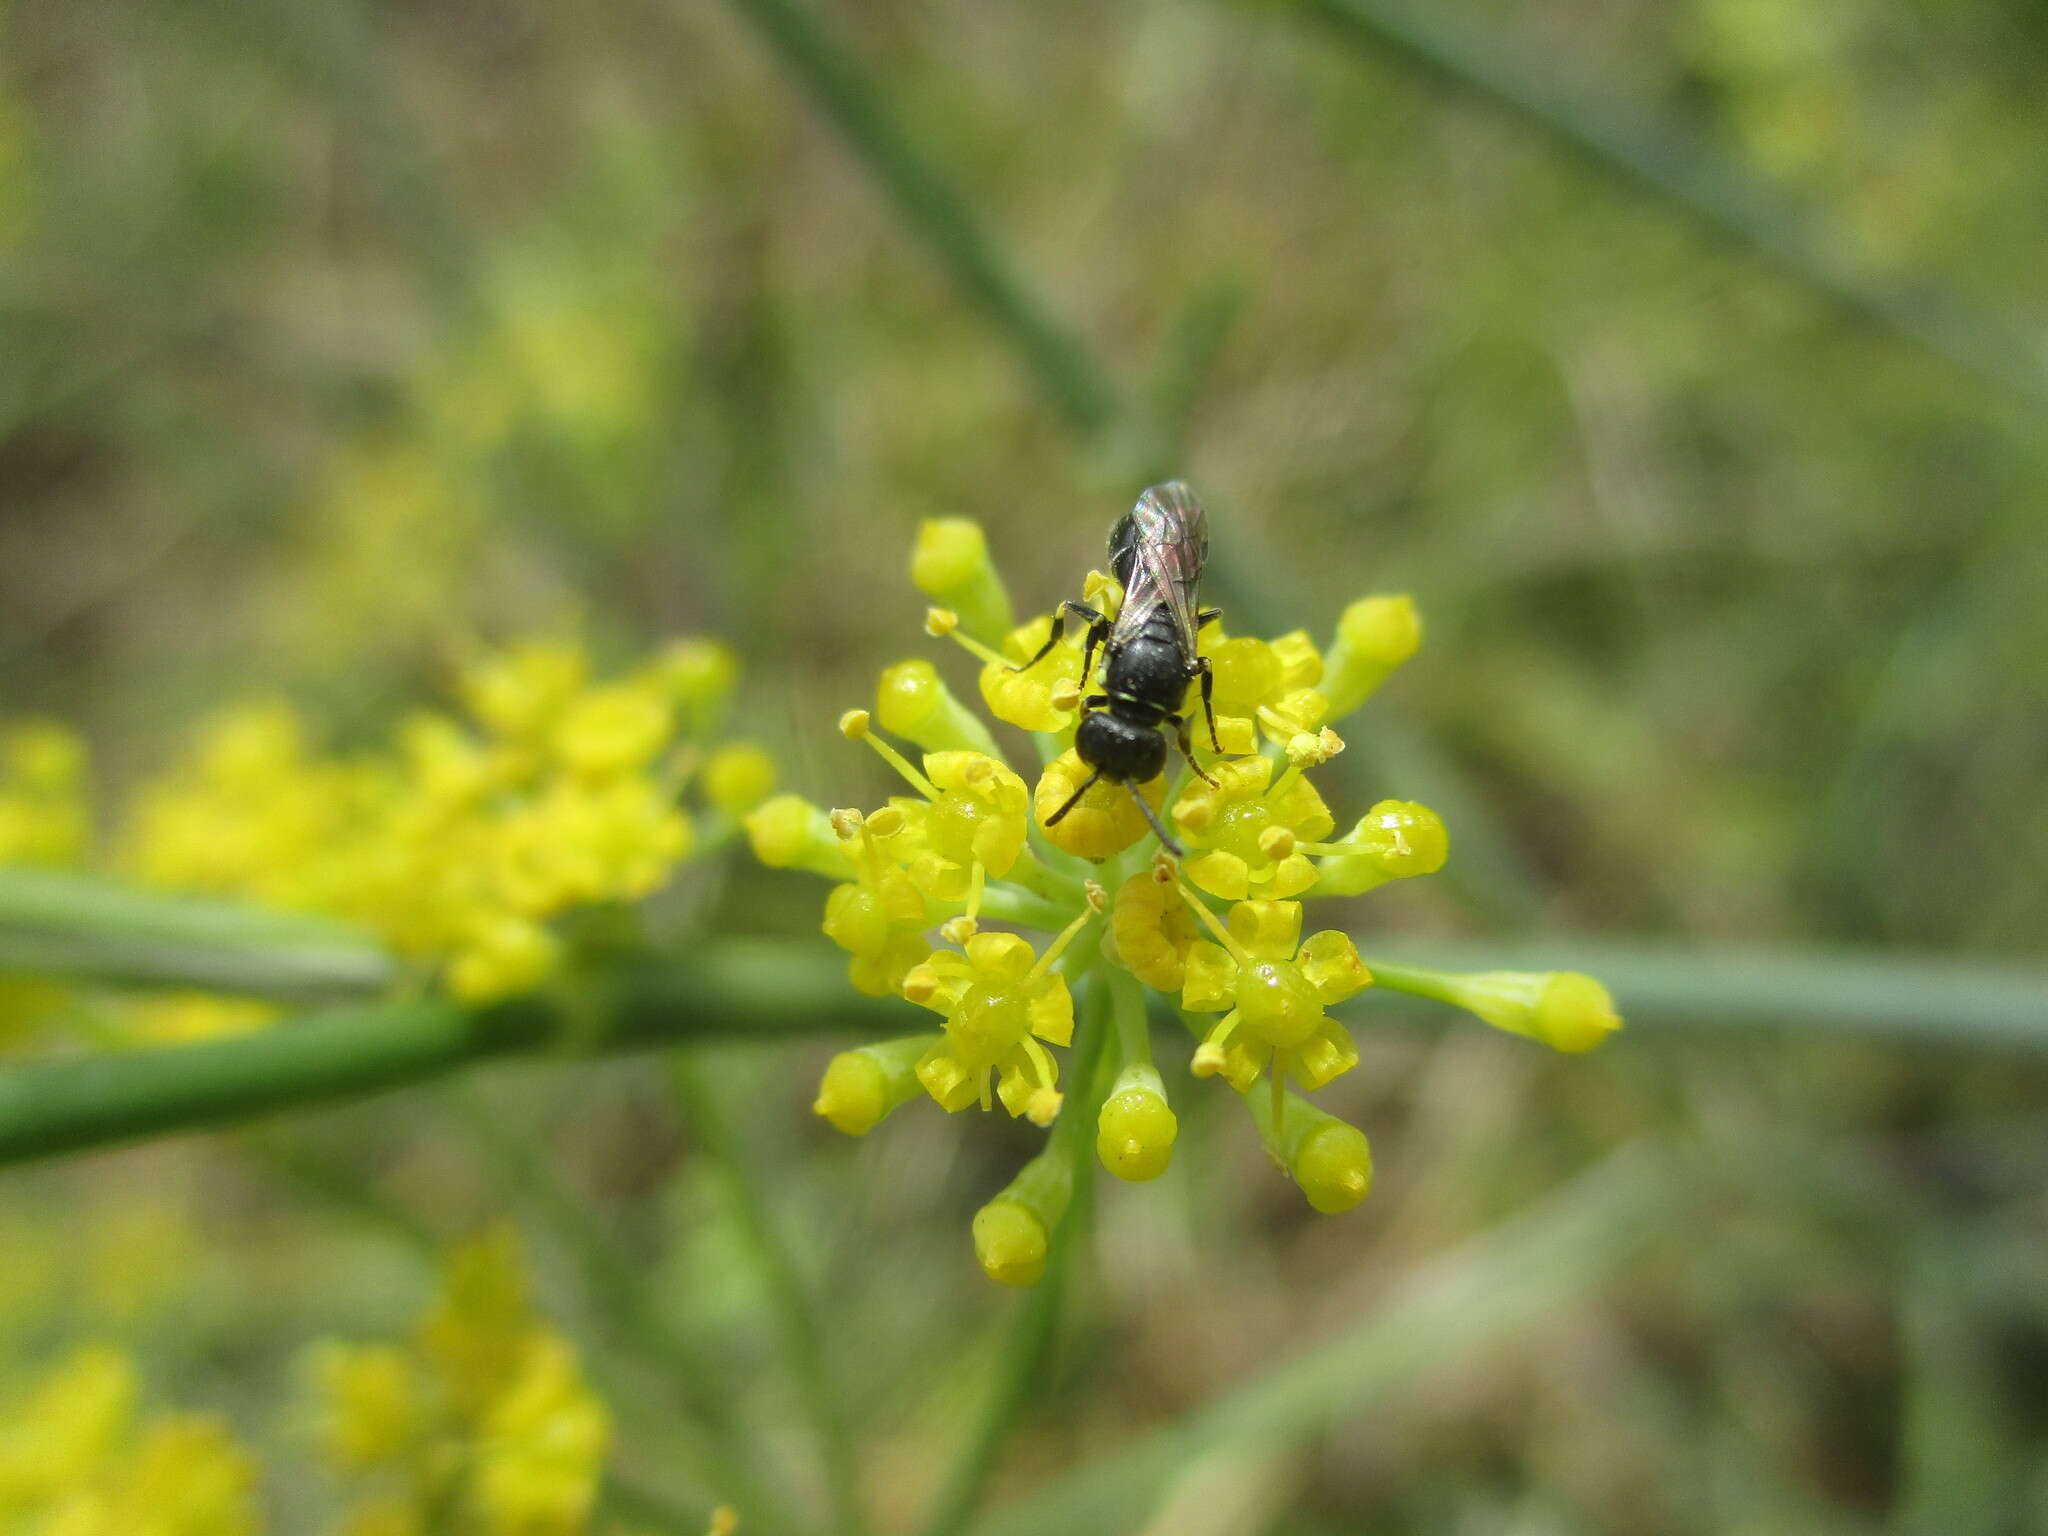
<point>76,1459</point>
<point>459,843</point>
<point>45,809</point>
<point>480,1423</point>
<point>916,879</point>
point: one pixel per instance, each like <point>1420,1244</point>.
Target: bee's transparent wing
<point>1172,548</point>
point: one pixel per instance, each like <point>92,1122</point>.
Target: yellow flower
<point>959,852</point>
<point>70,1464</point>
<point>1043,696</point>
<point>1275,989</point>
<point>373,1405</point>
<point>180,1018</point>
<point>614,729</point>
<point>541,1452</point>
<point>67,1428</point>
<point>1103,822</point>
<point>44,818</point>
<point>478,1328</point>
<point>1270,682</point>
<point>1242,831</point>
<point>1154,929</point>
<point>186,1478</point>
<point>881,916</point>
<point>503,956</point>
<point>520,693</point>
<point>998,1001</point>
<point>978,818</point>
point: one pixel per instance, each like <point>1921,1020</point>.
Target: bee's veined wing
<point>1172,546</point>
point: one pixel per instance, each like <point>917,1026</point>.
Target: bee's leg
<point>1165,838</point>
<point>1096,701</point>
<point>1098,627</point>
<point>1187,750</point>
<point>1208,616</point>
<point>1075,798</point>
<point>1208,676</point>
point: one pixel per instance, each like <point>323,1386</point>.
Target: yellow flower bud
<point>699,674</point>
<point>1333,1165</point>
<point>1374,636</point>
<point>1329,1159</point>
<point>1011,1243</point>
<point>1135,1129</point>
<point>789,832</point>
<point>1565,1010</point>
<point>912,700</point>
<point>1394,840</point>
<point>950,564</point>
<point>861,1087</point>
<point>738,777</point>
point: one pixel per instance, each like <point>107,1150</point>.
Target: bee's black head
<point>1121,750</point>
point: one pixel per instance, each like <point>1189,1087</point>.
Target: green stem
<point>935,210</point>
<point>734,989</point>
<point>58,924</point>
<point>1935,999</point>
<point>698,1094</point>
<point>1030,1341</point>
<point>1127,999</point>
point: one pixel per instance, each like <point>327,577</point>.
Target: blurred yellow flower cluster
<point>45,802</point>
<point>460,842</point>
<point>77,1459</point>
<point>917,879</point>
<point>481,1423</point>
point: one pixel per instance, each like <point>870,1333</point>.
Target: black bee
<point>1157,550</point>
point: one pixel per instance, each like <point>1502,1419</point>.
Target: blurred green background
<point>1681,359</point>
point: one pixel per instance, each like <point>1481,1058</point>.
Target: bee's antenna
<point>1075,798</point>
<point>1165,839</point>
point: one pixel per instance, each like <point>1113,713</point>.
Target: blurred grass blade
<point>940,216</point>
<point>1959,1002</point>
<point>1712,191</point>
<point>702,1094</point>
<point>760,989</point>
<point>79,928</point>
<point>1486,1292</point>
